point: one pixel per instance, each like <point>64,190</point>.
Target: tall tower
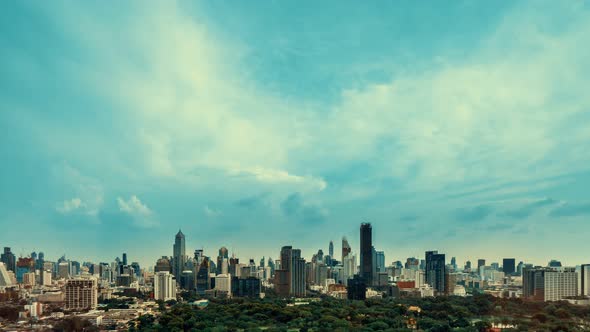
<point>345,248</point>
<point>331,249</point>
<point>366,253</point>
<point>223,255</point>
<point>179,254</point>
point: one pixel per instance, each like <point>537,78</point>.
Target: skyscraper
<point>283,275</point>
<point>435,271</point>
<point>164,286</point>
<point>223,255</point>
<point>345,248</point>
<point>81,294</point>
<point>331,249</point>
<point>179,255</point>
<point>366,251</point>
<point>480,263</point>
<point>297,274</point>
<point>549,284</point>
<point>509,266</point>
<point>585,280</point>
<point>9,259</point>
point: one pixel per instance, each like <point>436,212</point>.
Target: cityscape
<point>55,290</point>
<point>294,166</point>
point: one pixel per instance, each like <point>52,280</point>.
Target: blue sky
<point>457,126</point>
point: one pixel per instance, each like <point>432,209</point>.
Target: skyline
<point>455,127</point>
<point>212,253</point>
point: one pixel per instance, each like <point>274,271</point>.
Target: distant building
<point>9,259</point>
<point>366,253</point>
<point>163,265</point>
<point>5,279</point>
<point>164,286</point>
<point>246,287</point>
<point>435,271</point>
<point>585,280</point>
<point>81,294</point>
<point>179,254</point>
<point>223,283</point>
<point>346,249</point>
<point>549,284</point>
<point>509,266</point>
<point>480,263</point>
<point>357,288</point>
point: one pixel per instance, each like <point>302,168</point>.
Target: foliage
<point>471,314</point>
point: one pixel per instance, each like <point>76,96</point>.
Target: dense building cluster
<point>55,289</point>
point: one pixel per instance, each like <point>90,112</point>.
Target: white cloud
<point>211,212</point>
<point>133,206</point>
<point>141,213</point>
<point>88,191</point>
<point>68,206</point>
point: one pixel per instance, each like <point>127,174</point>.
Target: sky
<point>459,126</point>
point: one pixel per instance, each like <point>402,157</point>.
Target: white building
<point>560,284</point>
<point>5,278</point>
<point>35,309</point>
<point>81,293</point>
<point>164,286</point>
<point>46,278</point>
<point>223,283</point>
<point>349,268</point>
<point>584,283</point>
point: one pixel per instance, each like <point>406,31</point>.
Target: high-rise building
<point>509,266</point>
<point>179,254</point>
<point>380,261</point>
<point>223,255</point>
<point>480,262</point>
<point>5,279</point>
<point>346,249</point>
<point>585,280</point>
<point>366,253</point>
<point>163,265</point>
<point>331,249</point>
<point>298,286</point>
<point>357,288</point>
<point>549,284</point>
<point>454,263</point>
<point>223,283</point>
<point>81,294</point>
<point>554,263</point>
<point>24,265</point>
<point>164,286</point>
<point>124,258</point>
<point>9,259</point>
<point>203,279</point>
<point>435,271</point>
<point>349,268</point>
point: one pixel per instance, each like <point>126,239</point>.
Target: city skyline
<point>448,126</point>
<point>307,254</point>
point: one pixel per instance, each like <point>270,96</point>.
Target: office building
<point>366,253</point>
<point>81,294</point>
<point>346,249</point>
<point>164,286</point>
<point>179,254</point>
<point>298,284</point>
<point>435,271</point>
<point>357,288</point>
<point>585,280</point>
<point>549,284</point>
<point>223,284</point>
<point>509,266</point>
<point>480,263</point>
<point>9,259</point>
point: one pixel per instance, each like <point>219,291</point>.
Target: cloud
<point>474,214</point>
<point>141,213</point>
<point>88,192</point>
<point>570,210</point>
<point>211,212</point>
<point>528,209</point>
<point>68,206</point>
<point>253,202</point>
<point>296,208</point>
<point>279,177</point>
